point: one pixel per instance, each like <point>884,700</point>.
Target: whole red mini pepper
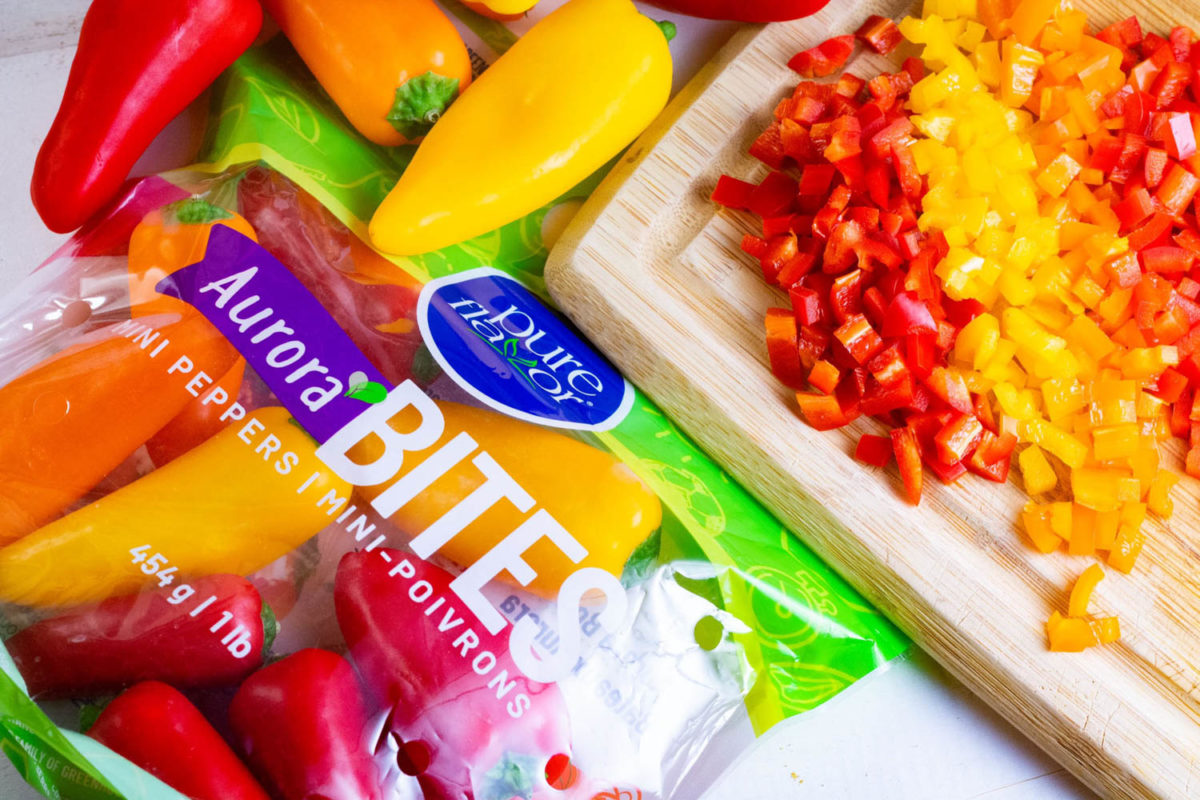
<point>158,729</point>
<point>457,697</point>
<point>148,636</point>
<point>302,724</point>
<point>139,63</point>
<point>744,10</point>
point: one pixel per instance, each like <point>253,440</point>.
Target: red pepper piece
<point>888,367</point>
<point>859,338</point>
<point>159,730</point>
<point>845,297</point>
<point>908,457</point>
<point>1157,227</point>
<point>874,450</point>
<point>1181,42</point>
<point>806,305</point>
<point>301,722</point>
<point>768,147</point>
<point>774,196</point>
<point>783,347</point>
<point>824,59</point>
<point>124,640</point>
<point>951,388</point>
<point>733,193</point>
<point>139,63</point>
<point>958,438</point>
<point>475,715</point>
<point>1167,260</point>
<point>1137,205</point>
<point>907,315</point>
<point>1124,34</point>
<point>880,34</point>
<point>1171,83</point>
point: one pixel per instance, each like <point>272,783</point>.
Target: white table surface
<point>908,732</point>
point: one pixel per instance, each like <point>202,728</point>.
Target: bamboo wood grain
<point>651,271</point>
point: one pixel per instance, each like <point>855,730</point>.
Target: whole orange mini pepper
<point>166,240</point>
<point>392,66</point>
<point>73,418</point>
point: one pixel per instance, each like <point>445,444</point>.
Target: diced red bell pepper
<point>878,399</point>
<point>1155,228</point>
<point>815,179</point>
<point>845,296</point>
<point>1167,260</point>
<point>874,450</point>
<point>1135,207</point>
<point>824,59</point>
<point>1155,165</point>
<point>1124,270</point>
<point>907,315</point>
<point>1180,39</point>
<point>888,367</point>
<point>959,438</point>
<point>1123,35</point>
<point>733,193</point>
<point>806,304</point>
<point>774,196</point>
<point>768,147</point>
<point>951,388</point>
<point>1180,135</point>
<point>754,245</point>
<point>1171,83</point>
<point>880,34</point>
<point>908,456</point>
<point>859,338</point>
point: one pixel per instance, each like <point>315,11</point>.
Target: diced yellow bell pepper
<point>1036,469</point>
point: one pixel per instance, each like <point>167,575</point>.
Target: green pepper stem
<point>420,102</point>
<point>667,27</point>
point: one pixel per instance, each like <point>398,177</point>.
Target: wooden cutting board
<point>651,271</point>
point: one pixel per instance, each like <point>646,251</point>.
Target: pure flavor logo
<point>500,343</point>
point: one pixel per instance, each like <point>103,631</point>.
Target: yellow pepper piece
<point>1126,548</point>
<point>1159,498</point>
<point>600,501</point>
<point>1068,635</point>
<point>1036,520</point>
<point>1056,441</point>
<point>1081,592</point>
<point>1035,468</point>
<point>1104,489</point>
<point>190,511</point>
<point>1083,531</point>
<point>1116,441</point>
<point>1018,69</point>
<point>573,91</point>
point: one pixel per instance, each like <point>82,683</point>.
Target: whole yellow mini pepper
<point>593,495</point>
<point>581,85</point>
<point>231,505</point>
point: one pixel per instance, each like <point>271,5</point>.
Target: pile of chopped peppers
<point>993,252</point>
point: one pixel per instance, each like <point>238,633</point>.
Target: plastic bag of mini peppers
<point>282,519</point>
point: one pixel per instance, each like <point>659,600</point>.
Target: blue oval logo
<point>502,344</point>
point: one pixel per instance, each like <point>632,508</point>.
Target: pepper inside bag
<point>331,526</point>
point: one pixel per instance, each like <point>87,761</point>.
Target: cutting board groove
<point>652,272</point>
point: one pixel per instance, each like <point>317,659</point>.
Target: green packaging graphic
<point>804,634</point>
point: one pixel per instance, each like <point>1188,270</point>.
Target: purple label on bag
<point>282,331</point>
